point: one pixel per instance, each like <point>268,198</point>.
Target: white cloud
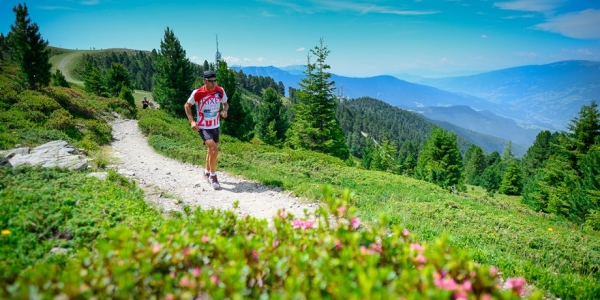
<point>584,51</point>
<point>90,2</point>
<point>247,60</point>
<point>336,6</point>
<point>530,5</point>
<point>54,8</point>
<point>519,17</point>
<point>483,36</point>
<point>260,59</point>
<point>197,60</point>
<point>231,60</point>
<point>267,14</point>
<point>300,49</point>
<point>579,25</point>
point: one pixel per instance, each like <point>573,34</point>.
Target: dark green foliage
<point>315,126</point>
<point>511,182</point>
<point>258,84</point>
<point>271,118</point>
<point>29,50</point>
<point>440,161</point>
<point>538,153</point>
<point>174,77</point>
<point>475,164</point>
<point>567,184</point>
<point>384,157</point>
<point>58,79</point>
<point>116,78</point>
<point>491,178</point>
<point>93,80</point>
<point>240,121</point>
<point>126,95</point>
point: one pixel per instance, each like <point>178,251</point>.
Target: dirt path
<point>64,63</point>
<point>172,184</point>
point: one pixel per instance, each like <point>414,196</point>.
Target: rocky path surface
<point>171,184</point>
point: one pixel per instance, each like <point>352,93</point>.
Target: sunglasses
<point>211,80</point>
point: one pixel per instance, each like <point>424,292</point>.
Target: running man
<point>208,99</point>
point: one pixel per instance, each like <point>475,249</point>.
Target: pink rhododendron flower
<point>205,239</point>
<point>460,295</point>
<point>255,255</point>
<point>282,214</point>
<point>186,251</point>
<point>446,283</point>
<point>196,272</point>
<point>493,271</point>
<point>308,224</point>
<point>486,296</point>
<point>405,233</point>
<point>184,282</point>
<point>342,209</point>
<point>156,248</point>
<point>355,222</point>
<point>421,259</point>
<point>297,223</point>
<point>376,247</point>
<point>467,285</point>
<point>417,247</point>
<point>338,244</point>
<point>275,243</point>
<point>214,279</point>
<point>517,285</point>
<point>170,297</point>
<point>172,274</point>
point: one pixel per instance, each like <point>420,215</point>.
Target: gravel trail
<point>171,184</point>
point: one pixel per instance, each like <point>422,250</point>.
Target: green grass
<point>550,252</point>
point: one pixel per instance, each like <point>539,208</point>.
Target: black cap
<point>209,74</point>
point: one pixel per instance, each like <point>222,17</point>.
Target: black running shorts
<point>209,134</point>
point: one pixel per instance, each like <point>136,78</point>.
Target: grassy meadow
<point>550,252</point>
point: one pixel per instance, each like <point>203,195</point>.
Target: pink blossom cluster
<point>517,285</point>
<point>373,248</point>
<point>460,290</point>
<point>297,223</point>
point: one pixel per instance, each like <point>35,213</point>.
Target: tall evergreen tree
<point>474,163</point>
<point>538,153</point>
<point>240,121</point>
<point>315,126</point>
<point>29,50</point>
<point>271,118</point>
<point>440,161</point>
<point>511,182</point>
<point>59,79</point>
<point>117,77</point>
<point>174,75</point>
<point>93,80</point>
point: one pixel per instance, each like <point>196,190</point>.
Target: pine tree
<point>511,182</point>
<point>537,154</point>
<point>93,80</point>
<point>126,95</point>
<point>116,78</point>
<point>240,121</point>
<point>491,179</point>
<point>271,118</point>
<point>174,75</point>
<point>315,125</point>
<point>474,164</point>
<point>440,161</point>
<point>59,79</point>
<point>29,50</point>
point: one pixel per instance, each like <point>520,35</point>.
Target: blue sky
<point>366,38</point>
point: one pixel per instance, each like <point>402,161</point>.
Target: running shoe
<point>215,182</point>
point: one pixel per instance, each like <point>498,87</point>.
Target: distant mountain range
<point>513,104</point>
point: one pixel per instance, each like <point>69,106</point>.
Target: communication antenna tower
<point>218,54</point>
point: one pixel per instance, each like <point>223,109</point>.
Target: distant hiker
<point>208,99</point>
<point>145,103</point>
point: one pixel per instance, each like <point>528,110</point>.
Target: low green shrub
<point>44,208</point>
<point>218,255</point>
<point>60,119</point>
<point>34,101</point>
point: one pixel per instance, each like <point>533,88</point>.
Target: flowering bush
<point>216,254</point>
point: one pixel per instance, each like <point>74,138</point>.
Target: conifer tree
<point>271,118</point>
<point>29,50</point>
<point>240,121</point>
<point>93,80</point>
<point>474,163</point>
<point>174,75</point>
<point>315,126</point>
<point>117,77</point>
<point>59,79</point>
<point>440,161</point>
<point>511,182</point>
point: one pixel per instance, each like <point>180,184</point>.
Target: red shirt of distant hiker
<point>208,104</point>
